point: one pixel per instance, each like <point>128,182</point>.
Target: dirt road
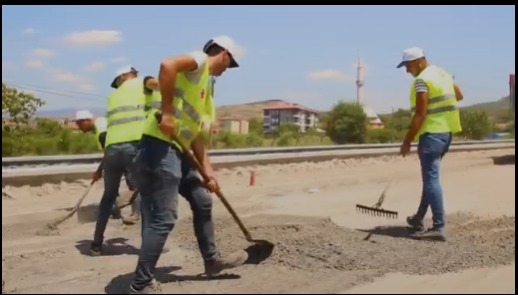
<point>308,210</point>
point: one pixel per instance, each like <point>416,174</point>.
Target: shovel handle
<point>190,157</point>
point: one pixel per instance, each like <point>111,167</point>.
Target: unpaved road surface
<point>308,211</point>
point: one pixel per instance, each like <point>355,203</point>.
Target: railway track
<point>17,171</point>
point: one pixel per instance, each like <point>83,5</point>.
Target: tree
<point>346,123</point>
<point>255,126</point>
<point>17,110</point>
<point>475,124</point>
<point>18,107</point>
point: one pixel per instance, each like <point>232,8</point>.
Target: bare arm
<point>200,152</point>
<point>169,68</point>
<point>458,93</point>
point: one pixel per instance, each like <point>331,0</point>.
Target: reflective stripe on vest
<point>442,110</point>
<point>126,116</point>
<point>188,108</point>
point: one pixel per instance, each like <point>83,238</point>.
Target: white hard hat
<point>84,115</point>
<point>411,54</point>
<point>123,70</point>
<point>227,43</point>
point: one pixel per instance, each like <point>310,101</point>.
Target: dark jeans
<point>432,148</point>
<point>118,161</point>
<point>163,173</point>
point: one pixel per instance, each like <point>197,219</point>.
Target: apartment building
<point>233,124</point>
<point>275,115</point>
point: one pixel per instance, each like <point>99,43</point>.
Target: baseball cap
<point>124,70</point>
<point>84,115</point>
<point>227,43</point>
<point>411,54</point>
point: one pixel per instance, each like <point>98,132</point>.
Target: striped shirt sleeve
<point>420,86</point>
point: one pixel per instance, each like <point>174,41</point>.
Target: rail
<point>93,158</point>
<point>36,171</point>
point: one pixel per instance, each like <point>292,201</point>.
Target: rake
<point>376,209</point>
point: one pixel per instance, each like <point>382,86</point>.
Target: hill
<point>494,108</point>
<point>248,110</point>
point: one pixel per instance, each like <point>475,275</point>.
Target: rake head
<point>378,212</point>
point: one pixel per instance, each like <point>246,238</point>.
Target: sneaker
<point>415,224</point>
<point>432,234</point>
<point>116,212</point>
<point>151,288</point>
<point>95,250</point>
<point>217,265</point>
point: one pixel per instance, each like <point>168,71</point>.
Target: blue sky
<point>68,55</point>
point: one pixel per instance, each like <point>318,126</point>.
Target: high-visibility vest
<point>126,116</point>
<point>192,108</point>
<point>443,113</point>
<point>99,127</point>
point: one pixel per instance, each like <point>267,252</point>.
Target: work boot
<point>432,234</point>
<point>96,250</point>
<point>217,265</point>
<point>132,219</point>
<point>116,212</point>
<point>415,224</point>
<point>152,288</point>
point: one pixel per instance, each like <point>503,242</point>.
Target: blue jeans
<point>163,174</point>
<point>431,149</point>
<point>118,161</point>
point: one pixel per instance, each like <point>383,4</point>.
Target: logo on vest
<point>202,94</point>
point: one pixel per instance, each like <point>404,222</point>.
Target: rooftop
<point>288,106</point>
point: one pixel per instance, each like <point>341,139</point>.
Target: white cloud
<point>93,38</point>
<point>29,31</point>
<point>8,65</point>
<point>43,52</point>
<point>34,63</point>
<point>86,87</point>
<point>95,66</point>
<point>328,75</point>
<point>66,76</point>
<point>119,59</point>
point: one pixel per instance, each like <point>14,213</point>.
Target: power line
<point>58,92</point>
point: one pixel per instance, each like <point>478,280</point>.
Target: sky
<point>68,55</point>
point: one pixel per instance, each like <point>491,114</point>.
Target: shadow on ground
<point>112,247</point>
<point>504,160</point>
<point>120,284</point>
<point>402,232</point>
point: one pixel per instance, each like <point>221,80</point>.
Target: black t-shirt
<point>102,139</point>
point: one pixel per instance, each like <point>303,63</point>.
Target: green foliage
<point>255,126</point>
<point>23,135</point>
<point>475,124</point>
<point>383,135</point>
<point>346,123</point>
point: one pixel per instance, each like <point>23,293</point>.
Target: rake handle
<point>190,157</point>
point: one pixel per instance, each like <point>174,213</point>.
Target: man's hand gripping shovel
<point>261,249</point>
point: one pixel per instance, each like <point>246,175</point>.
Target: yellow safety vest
<point>126,116</point>
<point>193,106</point>
<point>443,113</point>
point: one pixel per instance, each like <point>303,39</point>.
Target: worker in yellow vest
<point>433,100</point>
<point>125,122</point>
<point>185,86</point>
<point>86,122</point>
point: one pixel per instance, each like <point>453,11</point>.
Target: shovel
<point>50,227</point>
<point>261,248</point>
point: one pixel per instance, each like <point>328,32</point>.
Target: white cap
<point>123,70</point>
<point>84,115</point>
<point>411,54</point>
<point>227,43</point>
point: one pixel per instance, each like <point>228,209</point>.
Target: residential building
<point>233,124</point>
<point>277,114</point>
